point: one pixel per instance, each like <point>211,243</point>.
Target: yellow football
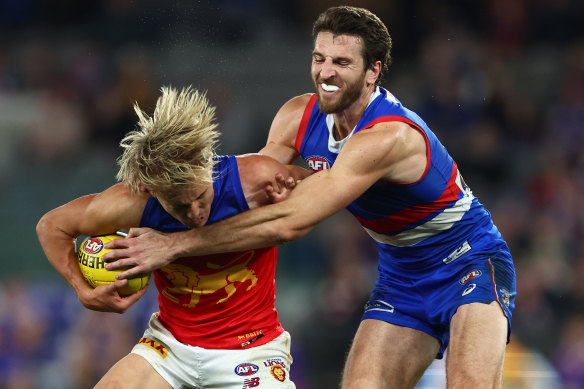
<point>93,268</point>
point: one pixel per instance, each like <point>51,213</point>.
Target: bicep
<point>113,209</point>
<point>282,153</point>
<point>101,213</point>
<point>362,162</point>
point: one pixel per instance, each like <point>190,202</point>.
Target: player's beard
<point>349,94</point>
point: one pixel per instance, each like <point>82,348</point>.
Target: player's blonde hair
<point>172,149</point>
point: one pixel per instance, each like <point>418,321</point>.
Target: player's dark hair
<point>362,23</point>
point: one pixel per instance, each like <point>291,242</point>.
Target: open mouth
<point>329,88</point>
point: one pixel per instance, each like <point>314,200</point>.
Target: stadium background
<point>500,81</point>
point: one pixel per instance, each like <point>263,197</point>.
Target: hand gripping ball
<point>93,268</point>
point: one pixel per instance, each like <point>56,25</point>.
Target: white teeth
<point>329,88</point>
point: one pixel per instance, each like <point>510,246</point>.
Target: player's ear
<point>144,189</point>
<point>372,74</point>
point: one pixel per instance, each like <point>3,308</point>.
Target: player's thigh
<point>476,353</point>
<point>387,355</point>
<point>132,372</point>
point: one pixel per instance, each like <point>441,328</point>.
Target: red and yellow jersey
<point>222,301</point>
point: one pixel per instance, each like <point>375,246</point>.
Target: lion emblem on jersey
<point>278,372</point>
<point>188,285</point>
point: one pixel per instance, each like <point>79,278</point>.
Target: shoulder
<point>400,147</point>
<point>390,133</point>
<point>256,172</point>
<point>298,102</point>
<point>258,167</point>
<point>115,207</point>
<point>119,199</point>
<point>293,109</point>
<point>121,193</point>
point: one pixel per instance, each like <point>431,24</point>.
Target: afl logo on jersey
<point>245,369</point>
<point>318,163</point>
<point>470,276</point>
<point>93,246</point>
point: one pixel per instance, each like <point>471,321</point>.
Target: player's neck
<point>346,120</point>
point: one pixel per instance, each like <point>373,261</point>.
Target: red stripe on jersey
<point>495,287</point>
<point>304,122</point>
<point>407,216</point>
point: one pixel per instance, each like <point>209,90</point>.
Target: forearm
<point>59,248</point>
<point>265,226</point>
<point>262,227</point>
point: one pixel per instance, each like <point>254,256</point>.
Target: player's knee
<point>463,379</point>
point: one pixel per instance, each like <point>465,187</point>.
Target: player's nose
<point>193,212</point>
<point>327,69</point>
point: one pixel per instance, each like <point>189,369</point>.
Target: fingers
<point>129,273</point>
<point>120,283</point>
<point>274,195</point>
<point>287,183</point>
<point>280,182</point>
<point>290,183</point>
<point>109,289</point>
<point>136,232</point>
<point>116,244</point>
<point>113,257</point>
<point>109,300</point>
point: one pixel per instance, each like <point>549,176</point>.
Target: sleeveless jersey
<point>222,301</point>
<point>431,221</point>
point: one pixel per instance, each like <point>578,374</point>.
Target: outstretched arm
<point>384,151</point>
<point>90,215</point>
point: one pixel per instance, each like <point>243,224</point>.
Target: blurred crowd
<point>501,82</point>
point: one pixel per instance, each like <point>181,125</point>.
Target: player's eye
<point>202,195</point>
<point>180,207</point>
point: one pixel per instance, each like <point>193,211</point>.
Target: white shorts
<point>185,366</point>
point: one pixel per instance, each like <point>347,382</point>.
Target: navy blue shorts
<point>427,300</point>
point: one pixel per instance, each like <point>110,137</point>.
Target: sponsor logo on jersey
<point>505,296</point>
<point>470,276</point>
<point>317,163</point>
<point>93,246</point>
<point>248,342</point>
<point>245,369</point>
<point>274,361</point>
<point>378,305</point>
<point>154,345</point>
<point>278,372</point>
<point>249,335</point>
<point>251,383</point>
<point>462,249</point>
<point>470,288</point>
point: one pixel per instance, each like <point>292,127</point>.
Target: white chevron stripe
<point>441,222</point>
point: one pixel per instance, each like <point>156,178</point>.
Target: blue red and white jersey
<point>433,220</point>
<point>221,301</point>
